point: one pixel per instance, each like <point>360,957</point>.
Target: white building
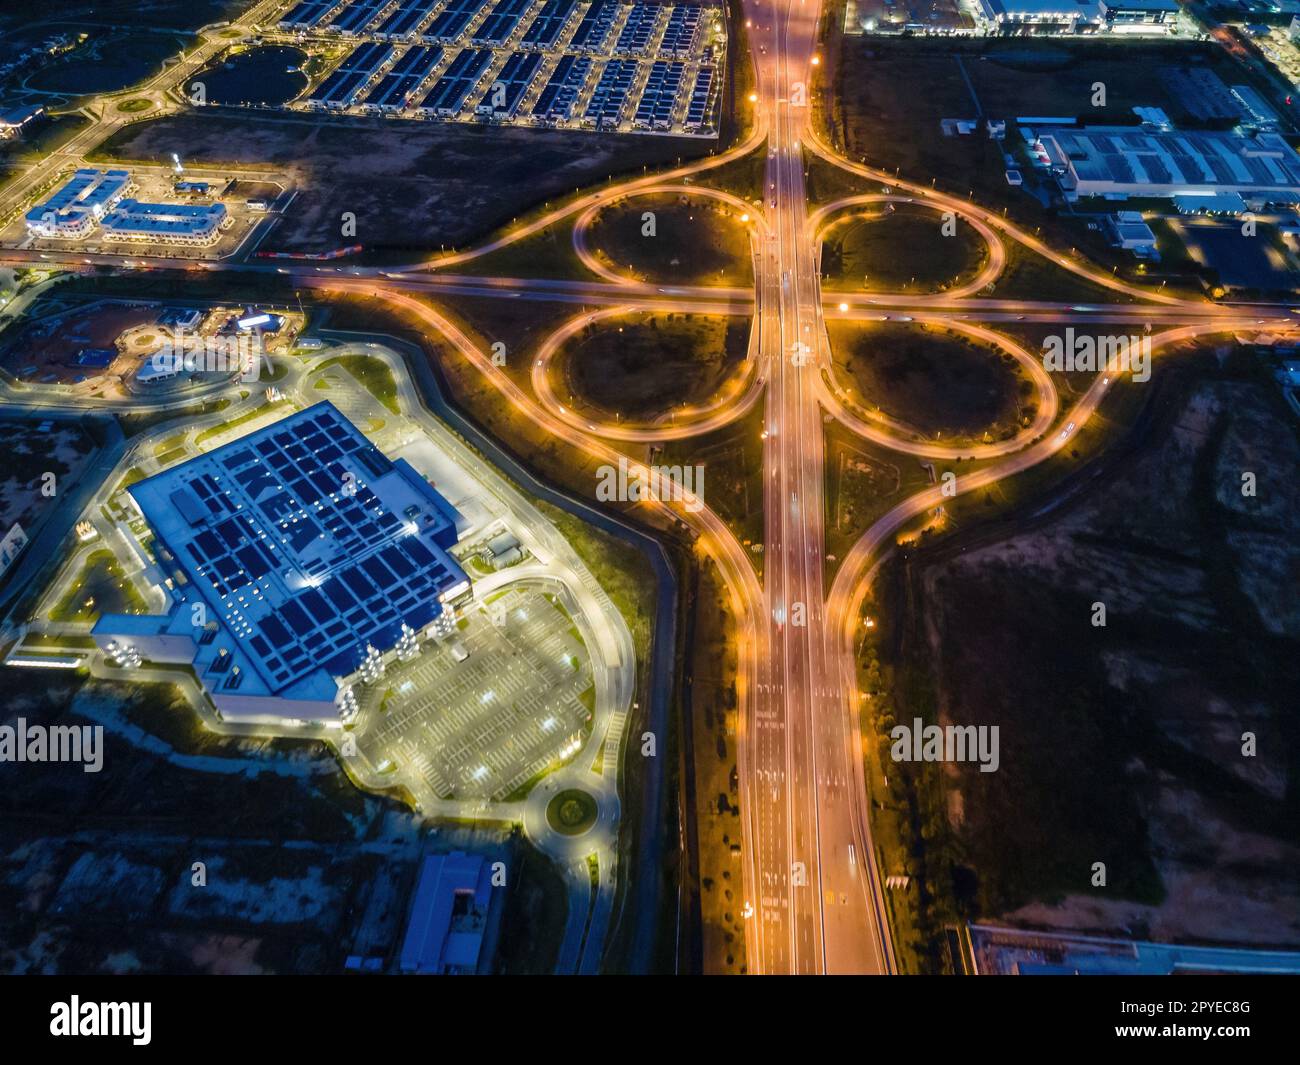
<point>1139,16</point>
<point>1122,161</point>
<point>1129,231</point>
<point>166,223</point>
<point>12,546</point>
<point>1065,15</point>
<point>296,555</point>
<point>76,207</point>
<point>1080,16</point>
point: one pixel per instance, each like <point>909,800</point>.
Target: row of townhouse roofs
<point>93,198</point>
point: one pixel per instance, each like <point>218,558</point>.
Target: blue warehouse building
<point>292,554</point>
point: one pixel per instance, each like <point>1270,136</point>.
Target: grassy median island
<point>861,250</point>
<point>100,588</point>
<point>572,812</point>
<point>685,241</point>
<point>933,381</point>
<point>371,372</point>
<point>647,364</point>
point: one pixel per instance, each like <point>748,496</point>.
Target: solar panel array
<point>308,14</point>
<point>676,60</point>
<point>352,75</point>
<point>498,26</point>
<point>683,25</point>
<point>610,95</point>
<point>701,98</point>
<point>545,29</point>
<point>560,94</point>
<point>401,83</point>
<point>283,535</point>
<point>462,74</point>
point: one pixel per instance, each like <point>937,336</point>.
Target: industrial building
<point>1122,161</point>
<point>448,916</point>
<point>16,119</point>
<point>166,223</point>
<point>76,207</point>
<point>180,317</point>
<point>1081,16</point>
<point>295,556</point>
<point>1128,230</point>
<point>1138,16</point>
<point>1044,14</point>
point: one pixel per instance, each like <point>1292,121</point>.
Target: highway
<point>815,904</point>
<point>813,898</point>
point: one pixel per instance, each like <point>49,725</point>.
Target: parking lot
<point>481,727</point>
<point>604,65</point>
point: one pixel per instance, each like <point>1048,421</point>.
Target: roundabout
<point>572,812</point>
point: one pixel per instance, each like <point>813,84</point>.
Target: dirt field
<point>411,186</point>
<point>45,350</point>
<point>29,454</point>
<point>1123,743</point>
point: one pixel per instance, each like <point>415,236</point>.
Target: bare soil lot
<point>30,453</point>
<point>45,349</point>
<point>413,187</point>
<point>1123,743</point>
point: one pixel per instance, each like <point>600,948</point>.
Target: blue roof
<point>306,543</point>
<point>448,914</point>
